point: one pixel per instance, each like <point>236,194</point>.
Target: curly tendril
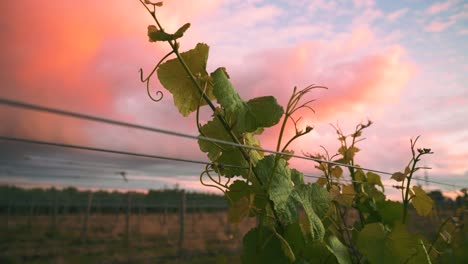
<point>147,80</point>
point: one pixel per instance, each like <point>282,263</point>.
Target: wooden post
<point>84,234</point>
<point>182,222</point>
<point>8,212</point>
<point>31,213</point>
<point>53,226</point>
<point>139,219</point>
<point>127,219</point>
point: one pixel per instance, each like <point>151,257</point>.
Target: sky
<point>402,64</point>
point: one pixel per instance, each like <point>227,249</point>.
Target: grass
<point>152,238</point>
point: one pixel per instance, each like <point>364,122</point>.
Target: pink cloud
<point>439,7</point>
<point>70,56</point>
<point>397,14</point>
<point>438,26</point>
<point>364,3</point>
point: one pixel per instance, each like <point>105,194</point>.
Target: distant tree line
<point>72,200</point>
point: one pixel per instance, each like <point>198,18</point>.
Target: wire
<point>351,181</point>
<point>162,157</point>
<point>437,182</point>
<point>172,133</point>
<point>109,151</point>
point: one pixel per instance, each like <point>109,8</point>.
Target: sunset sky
<point>401,64</point>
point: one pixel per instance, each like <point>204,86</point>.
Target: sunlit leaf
<point>315,200</point>
<point>346,197</point>
<point>280,185</point>
<point>390,212</point>
<point>297,177</point>
<point>339,250</point>
<point>398,176</point>
<point>239,210</point>
<point>173,77</point>
<point>374,178</point>
<point>244,116</point>
<point>421,201</point>
<point>259,112</point>
<point>337,171</point>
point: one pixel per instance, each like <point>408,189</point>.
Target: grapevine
<point>298,222</point>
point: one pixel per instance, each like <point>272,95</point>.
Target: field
<point>108,238</point>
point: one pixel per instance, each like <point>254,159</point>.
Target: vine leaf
<point>226,95</point>
<point>239,209</point>
<point>281,186</point>
<point>262,246</point>
<point>259,112</point>
<point>248,116</point>
<point>173,77</point>
<point>390,212</point>
<point>160,35</point>
<point>297,177</point>
<point>337,171</point>
<point>374,178</point>
<point>398,246</point>
<point>339,250</point>
<point>346,197</point>
<point>421,201</point>
<point>214,129</point>
<point>398,176</point>
<point>315,200</point>
<point>227,154</point>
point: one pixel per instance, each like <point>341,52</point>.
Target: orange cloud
<point>74,56</point>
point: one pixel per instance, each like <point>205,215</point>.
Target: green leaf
<point>244,117</point>
<point>251,140</point>
<point>180,32</point>
<point>346,197</point>
<point>337,171</point>
<point>318,252</point>
<point>339,250</point>
<point>297,177</point>
<point>422,202</point>
<point>390,212</point>
<point>214,129</point>
<point>398,176</point>
<point>237,190</point>
<point>398,246</point>
<point>293,234</point>
<point>259,112</point>
<point>407,247</point>
<point>315,200</point>
<point>226,95</point>
<point>371,243</point>
<point>262,246</point>
<point>287,250</point>
<point>280,186</point>
<point>374,178</point>
<point>359,175</point>
<point>173,77</point>
<point>160,35</point>
<point>239,210</point>
<point>233,156</point>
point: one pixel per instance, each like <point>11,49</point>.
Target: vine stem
<point>438,234</point>
<point>226,126</point>
<point>408,182</point>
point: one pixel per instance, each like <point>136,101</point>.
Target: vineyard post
<point>182,221</point>
<point>53,226</point>
<point>8,211</point>
<point>84,234</point>
<point>127,218</point>
<point>31,212</point>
